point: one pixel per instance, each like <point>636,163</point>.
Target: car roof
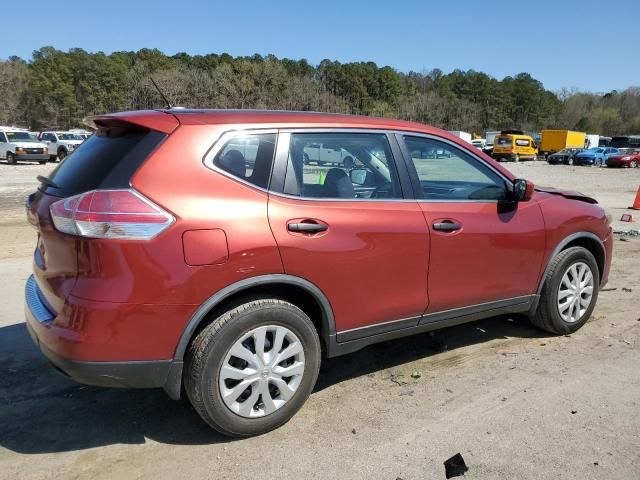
<point>278,118</point>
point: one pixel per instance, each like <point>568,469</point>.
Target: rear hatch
<point>106,160</point>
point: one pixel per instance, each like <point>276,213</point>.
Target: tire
<point>633,164</point>
<point>516,158</point>
<point>11,158</point>
<point>547,316</point>
<point>61,154</point>
<point>570,161</point>
<point>210,351</point>
<point>42,162</point>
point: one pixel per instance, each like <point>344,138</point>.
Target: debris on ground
<point>416,374</point>
<point>543,344</point>
<point>623,239</point>
<point>506,351</point>
<point>353,431</point>
<point>626,341</point>
<point>608,289</point>
<point>625,289</point>
<point>481,329</point>
<point>455,466</point>
<point>407,393</point>
<point>395,378</point>
<point>573,412</point>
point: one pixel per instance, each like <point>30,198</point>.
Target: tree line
<point>57,89</point>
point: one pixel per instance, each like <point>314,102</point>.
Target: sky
<point>584,44</point>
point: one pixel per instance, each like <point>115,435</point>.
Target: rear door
<point>483,249</point>
<point>350,230</point>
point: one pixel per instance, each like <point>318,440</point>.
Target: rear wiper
<point>47,181</point>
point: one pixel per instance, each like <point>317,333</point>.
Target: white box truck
<point>466,136</point>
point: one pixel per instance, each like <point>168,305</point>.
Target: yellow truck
<point>553,141</point>
<point>514,145</point>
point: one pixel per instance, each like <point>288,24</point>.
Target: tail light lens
<point>122,214</point>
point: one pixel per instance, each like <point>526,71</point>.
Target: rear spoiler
<point>152,119</point>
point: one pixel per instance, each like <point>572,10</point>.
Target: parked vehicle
<point>566,156</point>
<point>595,156</point>
<point>18,144</point>
<point>325,154</point>
<point>61,144</point>
<point>479,143</point>
<point>592,140</point>
<point>163,260</point>
<point>514,145</point>
<point>627,157</point>
<point>83,133</point>
<point>626,141</point>
<point>466,136</point>
<point>489,139</point>
<point>604,141</point>
<point>553,141</point>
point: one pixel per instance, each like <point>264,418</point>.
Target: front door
<point>483,248</point>
<point>348,229</point>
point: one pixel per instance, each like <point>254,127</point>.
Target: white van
<point>19,144</point>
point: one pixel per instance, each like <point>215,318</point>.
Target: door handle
<point>306,227</point>
<point>447,226</point>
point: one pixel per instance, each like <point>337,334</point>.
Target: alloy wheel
<point>262,371</point>
<point>575,292</point>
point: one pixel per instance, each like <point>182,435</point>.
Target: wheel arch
<point>587,240</point>
<point>298,291</point>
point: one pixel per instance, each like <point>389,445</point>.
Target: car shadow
<point>44,412</point>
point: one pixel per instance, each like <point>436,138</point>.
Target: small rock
<point>573,412</point>
<point>543,344</point>
<point>595,464</point>
<point>353,431</point>
<point>625,289</point>
<point>416,374</point>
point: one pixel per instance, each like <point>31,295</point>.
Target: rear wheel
<point>633,164</point>
<point>11,158</point>
<point>61,154</point>
<point>516,158</point>
<point>569,293</point>
<point>252,368</point>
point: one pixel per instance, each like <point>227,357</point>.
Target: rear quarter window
<point>248,157</point>
<point>107,159</point>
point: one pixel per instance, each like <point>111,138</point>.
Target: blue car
<point>595,156</point>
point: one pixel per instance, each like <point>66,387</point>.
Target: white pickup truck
<point>18,144</point>
<point>61,144</point>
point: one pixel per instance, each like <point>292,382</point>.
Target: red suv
<point>200,249</point>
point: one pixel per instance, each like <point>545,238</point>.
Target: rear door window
<point>107,159</point>
<point>353,166</point>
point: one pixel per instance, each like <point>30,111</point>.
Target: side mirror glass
<point>522,190</point>
<point>359,176</point>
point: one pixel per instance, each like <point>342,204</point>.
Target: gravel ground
<point>513,401</point>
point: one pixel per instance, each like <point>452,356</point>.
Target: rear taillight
<point>123,214</point>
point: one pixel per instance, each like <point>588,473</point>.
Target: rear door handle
<point>447,226</point>
<point>306,227</point>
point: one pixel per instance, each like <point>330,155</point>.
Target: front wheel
<point>61,154</point>
<point>633,164</point>
<point>11,158</point>
<point>252,368</point>
<point>569,293</point>
<point>570,161</point>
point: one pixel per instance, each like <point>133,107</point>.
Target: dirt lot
<point>516,403</point>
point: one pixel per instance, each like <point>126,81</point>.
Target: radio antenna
<point>169,106</point>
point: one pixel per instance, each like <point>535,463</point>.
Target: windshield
<point>20,137</point>
<point>69,136</point>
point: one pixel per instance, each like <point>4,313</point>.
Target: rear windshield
<point>503,141</point>
<point>107,159</point>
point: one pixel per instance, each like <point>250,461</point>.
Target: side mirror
<point>359,176</point>
<point>522,190</point>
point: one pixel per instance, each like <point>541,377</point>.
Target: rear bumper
<point>40,322</point>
